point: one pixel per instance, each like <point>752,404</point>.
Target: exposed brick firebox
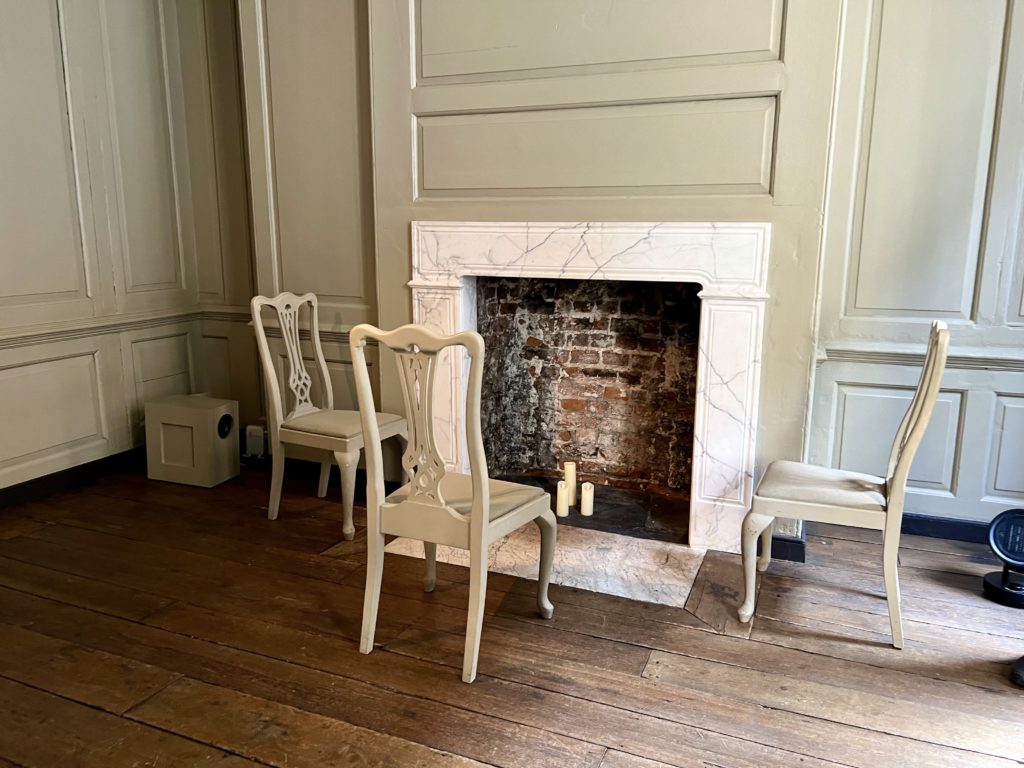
<point>599,372</point>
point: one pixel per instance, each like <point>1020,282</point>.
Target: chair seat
<point>457,490</point>
<point>335,423</point>
<point>811,484</point>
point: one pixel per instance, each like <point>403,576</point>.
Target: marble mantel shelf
<point>729,262</point>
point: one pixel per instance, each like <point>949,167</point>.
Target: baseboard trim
<point>973,531</point>
<point>785,548</point>
<point>36,489</point>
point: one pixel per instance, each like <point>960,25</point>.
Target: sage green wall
<point>662,111</point>
<point>123,222</point>
<point>924,223</point>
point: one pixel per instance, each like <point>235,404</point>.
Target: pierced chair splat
<point>436,506</point>
<point>822,494</point>
<point>338,434</point>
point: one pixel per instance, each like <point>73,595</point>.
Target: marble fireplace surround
<point>728,260</point>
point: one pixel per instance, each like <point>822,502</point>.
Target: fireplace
<point>727,261</point>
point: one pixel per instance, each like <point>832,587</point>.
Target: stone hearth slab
<point>639,569</point>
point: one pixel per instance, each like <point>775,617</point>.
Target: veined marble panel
<point>728,260</point>
<point>640,569</point>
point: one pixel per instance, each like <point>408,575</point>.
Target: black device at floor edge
<point>1017,673</point>
<point>1006,538</point>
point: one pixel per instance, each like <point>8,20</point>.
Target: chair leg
<point>765,558</point>
<point>753,524</point>
<point>371,598</point>
<point>430,556</point>
<point>548,533</point>
<point>276,479</point>
<point>475,616</point>
<point>325,476</point>
<point>348,462</point>
<point>890,562</point>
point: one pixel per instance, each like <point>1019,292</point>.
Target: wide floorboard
<point>148,624</point>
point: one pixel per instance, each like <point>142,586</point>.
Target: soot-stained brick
<point>597,371</point>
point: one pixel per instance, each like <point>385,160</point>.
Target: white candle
<point>562,500</point>
<point>570,481</point>
<point>587,500</point>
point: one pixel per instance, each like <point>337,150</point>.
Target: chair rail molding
<point>728,260</point>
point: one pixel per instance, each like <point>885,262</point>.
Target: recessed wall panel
<point>693,146</point>
<point>162,367</point>
<point>145,167</point>
<point>472,37</point>
<point>1008,449</point>
<point>160,357</point>
<point>216,353</point>
<point>927,150</point>
<point>323,193</point>
<point>39,214</point>
<point>868,418</point>
<point>48,404</point>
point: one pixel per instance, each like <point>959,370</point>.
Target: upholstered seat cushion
<point>811,484</point>
<point>457,490</point>
<point>335,423</point>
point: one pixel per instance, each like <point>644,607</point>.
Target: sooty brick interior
<point>599,372</point>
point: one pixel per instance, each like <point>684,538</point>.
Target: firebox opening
<point>598,372</point>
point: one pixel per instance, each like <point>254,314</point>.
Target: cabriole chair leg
<point>753,524</point>
<point>548,531</point>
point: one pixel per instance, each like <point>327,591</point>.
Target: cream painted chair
<point>337,433</point>
<point>437,506</point>
<point>808,492</point>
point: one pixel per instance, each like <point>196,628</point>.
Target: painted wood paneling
<point>216,352</point>
<point>109,103</point>
<point>199,123</point>
<point>31,405</point>
<point>674,146</point>
<point>487,37</point>
<point>61,404</point>
<point>553,73</point>
<point>927,153</point>
<point>1007,478</point>
<point>924,220</point>
<point>867,421</point>
<point>160,357</point>
<point>317,68</point>
<point>144,162</point>
<point>228,366</point>
<point>40,221</point>
<point>221,42</point>
<point>160,362</point>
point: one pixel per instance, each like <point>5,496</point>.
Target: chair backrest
<point>915,421</point>
<point>289,307</point>
<point>416,351</point>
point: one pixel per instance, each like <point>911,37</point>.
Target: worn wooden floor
<point>145,624</point>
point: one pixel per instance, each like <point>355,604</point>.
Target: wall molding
<point>975,531</point>
<point>121,323</point>
<point>988,359</point>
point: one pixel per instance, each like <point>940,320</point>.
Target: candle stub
<point>570,481</point>
<point>587,500</point>
<point>562,500</point>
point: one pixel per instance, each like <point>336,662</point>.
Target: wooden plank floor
<point>146,624</point>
